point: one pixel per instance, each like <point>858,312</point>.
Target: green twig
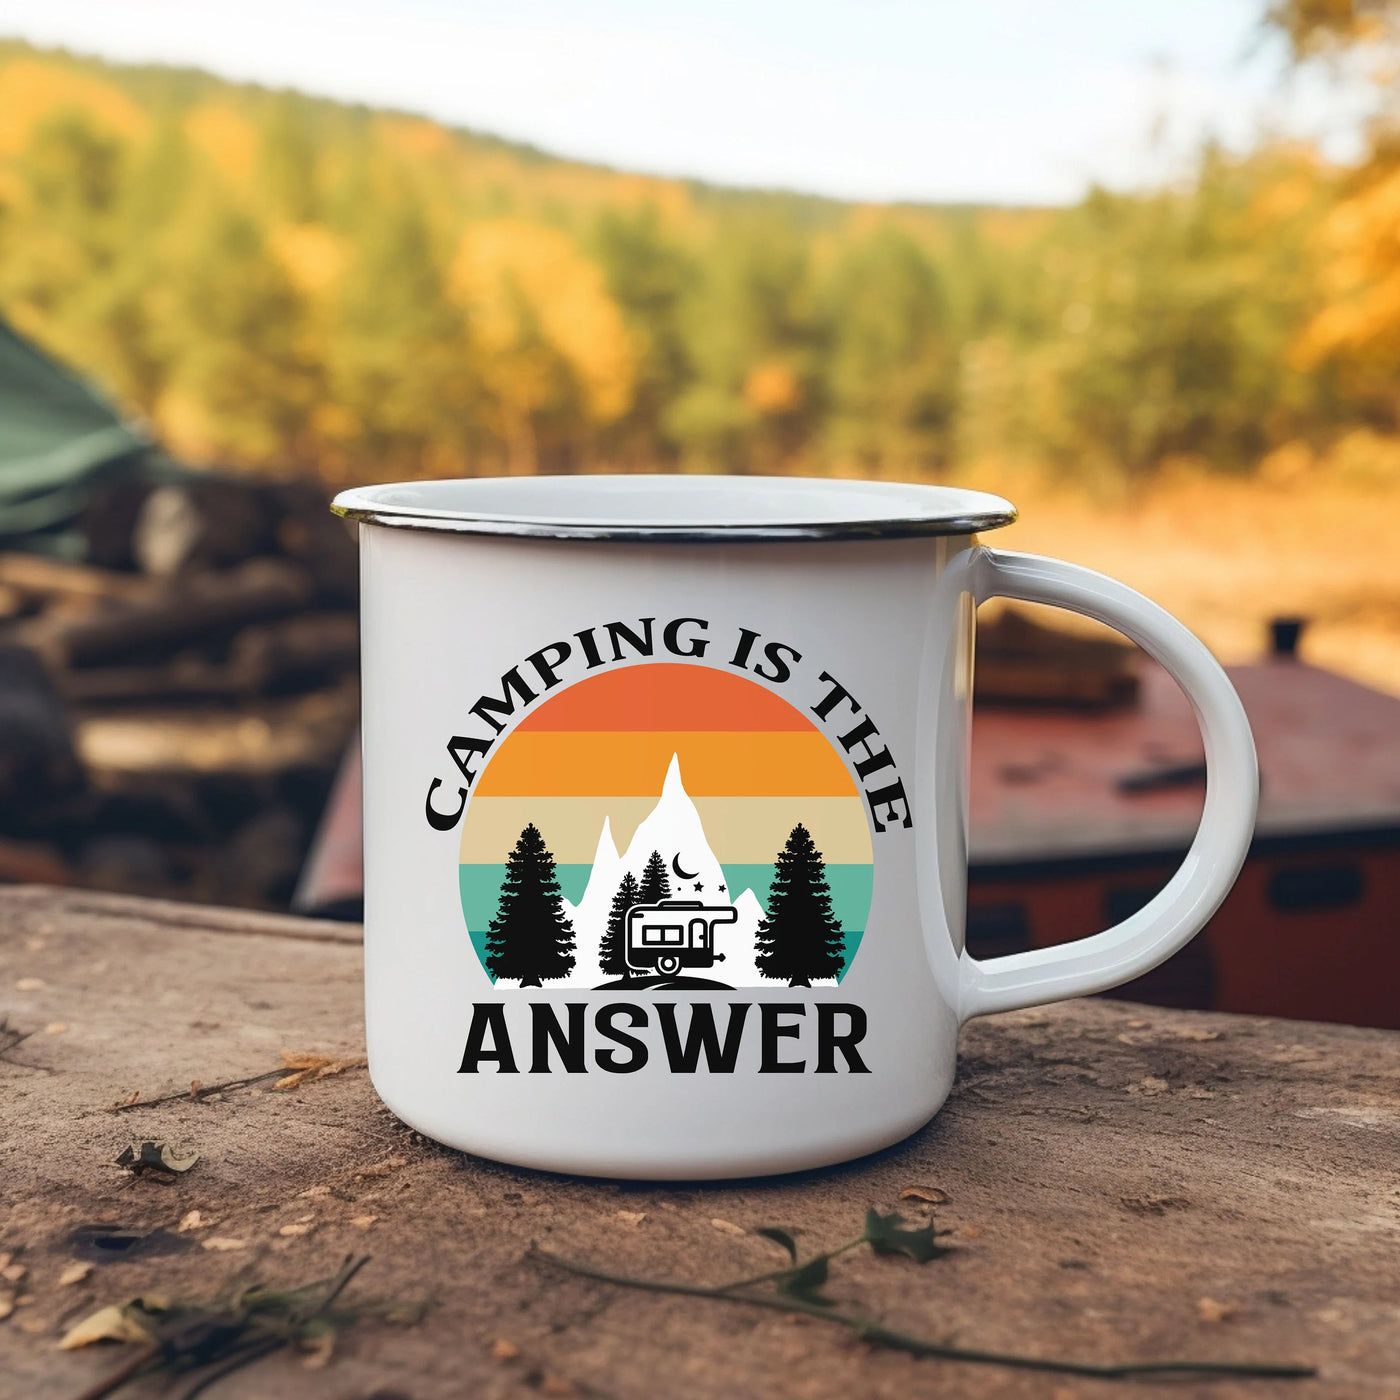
<point>114,1380</point>
<point>254,1351</point>
<point>774,1274</point>
<point>922,1346</point>
<point>340,1282</point>
<point>215,1340</point>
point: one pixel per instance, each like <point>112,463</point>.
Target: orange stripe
<point>666,696</point>
<point>551,764</point>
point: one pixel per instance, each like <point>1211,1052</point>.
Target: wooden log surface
<point>1124,1183</point>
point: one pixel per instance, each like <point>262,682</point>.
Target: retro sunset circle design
<point>666,825</point>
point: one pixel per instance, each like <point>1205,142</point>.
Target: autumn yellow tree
<point>1355,333</point>
<point>279,282</point>
<point>550,345</point>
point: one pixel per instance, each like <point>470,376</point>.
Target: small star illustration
<point>724,889</point>
<point>698,885</point>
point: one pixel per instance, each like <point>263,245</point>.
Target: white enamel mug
<point>665,793</point>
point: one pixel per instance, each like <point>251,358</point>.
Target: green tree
<point>801,938</point>
<point>753,333</point>
<point>1157,342</point>
<point>244,378</point>
<point>612,955</point>
<point>656,881</point>
<point>647,274</point>
<point>889,369</point>
<point>60,242</point>
<point>399,362</point>
<point>531,938</point>
<point>287,157</point>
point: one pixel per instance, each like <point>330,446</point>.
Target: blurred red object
<point>332,883</point>
<point>1079,818</point>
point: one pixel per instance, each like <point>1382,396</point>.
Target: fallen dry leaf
<point>728,1227</point>
<point>74,1273</point>
<point>30,984</point>
<point>305,1064</point>
<point>223,1243</point>
<point>12,1273</point>
<point>300,1227</point>
<point>1210,1310</point>
<point>109,1324</point>
<point>931,1194</point>
<point>504,1350</point>
<point>55,1028</point>
<point>155,1156</point>
<point>1149,1085</point>
<point>317,1350</point>
<point>7,1306</point>
<point>1195,1033</point>
<point>632,1217</point>
<point>191,1220</point>
<point>363,1222</point>
<point>389,1164</point>
<point>1153,1205</point>
<point>970,1232</point>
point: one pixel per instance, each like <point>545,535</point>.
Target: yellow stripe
<point>545,763</point>
<point>740,830</point>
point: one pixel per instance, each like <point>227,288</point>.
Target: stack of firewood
<point>172,708</point>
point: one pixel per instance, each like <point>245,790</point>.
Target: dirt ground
<point>1122,1183</point>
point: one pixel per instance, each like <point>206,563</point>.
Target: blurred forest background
<point>1196,388</point>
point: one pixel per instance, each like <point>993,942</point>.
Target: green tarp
<point>59,439</point>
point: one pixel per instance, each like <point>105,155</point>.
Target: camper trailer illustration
<point>674,934</point>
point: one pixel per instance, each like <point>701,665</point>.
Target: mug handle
<point>1194,893</point>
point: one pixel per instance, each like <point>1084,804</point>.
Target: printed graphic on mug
<point>666,825</point>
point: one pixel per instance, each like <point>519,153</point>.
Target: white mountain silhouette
<point>673,827</point>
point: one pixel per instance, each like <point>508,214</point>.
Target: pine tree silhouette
<point>531,937</point>
<point>801,938</point>
<point>612,954</point>
<point>656,883</point>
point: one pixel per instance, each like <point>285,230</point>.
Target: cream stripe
<point>740,830</point>
<point>570,825</point>
<point>749,830</point>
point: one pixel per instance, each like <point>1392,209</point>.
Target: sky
<point>1008,101</point>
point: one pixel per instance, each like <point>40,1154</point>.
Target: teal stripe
<point>480,887</point>
<point>851,888</point>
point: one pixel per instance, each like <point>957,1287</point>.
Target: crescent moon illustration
<point>679,873</point>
